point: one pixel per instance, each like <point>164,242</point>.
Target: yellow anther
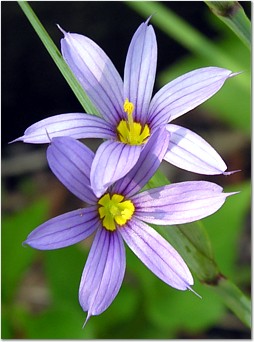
<point>129,131</point>
<point>128,107</point>
<point>114,211</point>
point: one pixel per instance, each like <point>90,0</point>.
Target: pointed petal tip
<point>25,244</point>
<point>232,193</point>
<point>62,30</point>
<point>148,19</point>
<point>87,319</point>
<point>228,173</point>
<point>190,289</point>
<point>18,139</point>
<point>27,140</point>
<point>235,74</point>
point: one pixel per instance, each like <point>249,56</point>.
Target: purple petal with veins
<point>65,230</point>
<point>140,69</point>
<point>96,73</point>
<point>157,254</point>
<point>71,161</point>
<point>189,151</point>
<point>185,93</point>
<point>179,203</point>
<point>103,273</point>
<point>113,160</point>
<point>75,125</point>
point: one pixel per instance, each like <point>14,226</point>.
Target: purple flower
<point>128,115</point>
<point>121,214</point>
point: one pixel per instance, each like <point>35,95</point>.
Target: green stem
<point>57,58</point>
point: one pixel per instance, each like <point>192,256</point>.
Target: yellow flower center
<point>114,211</point>
<point>130,132</point>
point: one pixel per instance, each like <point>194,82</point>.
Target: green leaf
<point>225,230</point>
<point>233,15</point>
<point>230,294</point>
<point>192,242</point>
<point>57,58</point>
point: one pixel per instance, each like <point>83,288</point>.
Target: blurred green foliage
<point>145,307</point>
<point>17,259</point>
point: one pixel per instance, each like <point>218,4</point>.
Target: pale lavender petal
<point>185,93</point>
<point>96,73</point>
<point>140,69</point>
<point>112,161</point>
<point>179,203</point>
<point>76,125</point>
<point>71,161</point>
<point>103,273</point>
<point>65,230</point>
<point>189,151</point>
<point>149,161</point>
<point>157,254</point>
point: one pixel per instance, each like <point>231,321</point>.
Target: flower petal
<point>149,161</point>
<point>111,162</point>
<point>103,273</point>
<point>185,93</point>
<point>189,151</point>
<point>140,69</point>
<point>179,203</point>
<point>64,230</point>
<point>157,254</point>
<point>96,73</point>
<point>76,125</point>
<point>70,161</point>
